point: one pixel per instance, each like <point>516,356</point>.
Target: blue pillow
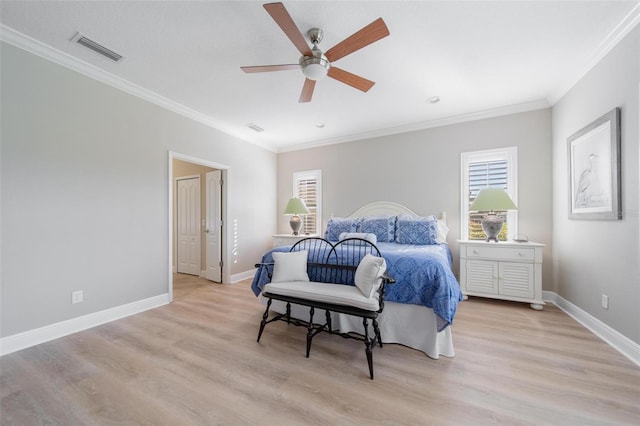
<point>338,225</point>
<point>382,227</point>
<point>416,230</point>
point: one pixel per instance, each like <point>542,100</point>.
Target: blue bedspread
<point>423,277</point>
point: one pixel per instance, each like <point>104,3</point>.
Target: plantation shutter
<point>306,187</point>
<point>485,174</point>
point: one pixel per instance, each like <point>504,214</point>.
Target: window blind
<point>485,174</point>
<point>306,187</point>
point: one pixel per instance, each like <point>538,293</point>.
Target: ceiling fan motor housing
<point>317,66</point>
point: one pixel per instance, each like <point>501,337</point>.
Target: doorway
<point>197,229</point>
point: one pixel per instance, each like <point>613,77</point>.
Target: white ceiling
<point>481,58</point>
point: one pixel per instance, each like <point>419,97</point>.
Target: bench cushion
<point>338,294</point>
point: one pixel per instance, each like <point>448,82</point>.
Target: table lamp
<point>492,200</point>
<point>295,207</point>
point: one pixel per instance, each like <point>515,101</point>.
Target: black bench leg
<point>328,317</point>
<point>288,313</point>
<point>377,331</point>
<point>264,319</point>
<point>368,349</point>
<point>310,330</point>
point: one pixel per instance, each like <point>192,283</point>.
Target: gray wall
<point>85,193</point>
<point>421,170</point>
<point>592,258</point>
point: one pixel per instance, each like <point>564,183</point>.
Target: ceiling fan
<point>314,63</point>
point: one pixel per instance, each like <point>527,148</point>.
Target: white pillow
<point>365,236</point>
<point>443,230</point>
<point>369,274</point>
<point>290,266</point>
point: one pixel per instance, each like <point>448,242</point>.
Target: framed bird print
<point>594,170</point>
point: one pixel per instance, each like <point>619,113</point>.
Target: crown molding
<point>625,26</point>
<point>45,51</point>
<point>31,45</point>
<point>440,122</point>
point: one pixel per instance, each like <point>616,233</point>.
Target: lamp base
<point>492,226</point>
<point>296,223</point>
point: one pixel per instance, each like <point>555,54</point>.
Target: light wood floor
<point>196,361</point>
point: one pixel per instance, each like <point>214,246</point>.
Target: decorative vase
<point>492,226</point>
<point>296,223</point>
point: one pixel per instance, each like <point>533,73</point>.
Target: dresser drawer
<point>501,253</point>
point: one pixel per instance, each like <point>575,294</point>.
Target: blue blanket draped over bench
<point>422,272</point>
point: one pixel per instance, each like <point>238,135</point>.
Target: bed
<point>421,305</point>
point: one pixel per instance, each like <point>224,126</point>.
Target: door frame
<point>217,226</point>
<point>225,171</point>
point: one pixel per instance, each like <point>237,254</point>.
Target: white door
<point>188,226</point>
<point>213,226</point>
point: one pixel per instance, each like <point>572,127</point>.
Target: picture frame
<point>594,170</point>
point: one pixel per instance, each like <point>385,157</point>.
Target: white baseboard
<point>621,343</point>
<point>242,276</point>
<point>44,334</point>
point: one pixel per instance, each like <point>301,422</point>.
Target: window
<point>496,168</point>
<point>308,186</point>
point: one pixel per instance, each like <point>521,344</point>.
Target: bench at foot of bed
<point>341,288</point>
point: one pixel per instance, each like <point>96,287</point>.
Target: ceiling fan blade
<point>284,21</point>
<point>269,68</point>
<point>307,91</point>
<point>352,80</point>
<point>367,35</point>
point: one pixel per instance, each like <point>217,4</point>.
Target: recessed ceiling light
<point>434,99</point>
<point>319,125</point>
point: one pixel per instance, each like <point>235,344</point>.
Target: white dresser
<point>504,270</point>
<point>288,239</point>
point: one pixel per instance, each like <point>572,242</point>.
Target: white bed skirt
<point>409,325</point>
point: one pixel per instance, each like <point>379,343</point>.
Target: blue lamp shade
<point>295,207</point>
<point>492,200</point>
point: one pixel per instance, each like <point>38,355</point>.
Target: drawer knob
<point>475,252</point>
<point>520,254</point>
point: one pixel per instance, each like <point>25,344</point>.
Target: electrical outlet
<point>76,296</point>
<point>605,301</point>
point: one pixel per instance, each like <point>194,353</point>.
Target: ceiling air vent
<point>254,126</point>
<point>97,47</point>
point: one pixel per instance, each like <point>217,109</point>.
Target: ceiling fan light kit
<point>316,65</point>
<point>314,68</point>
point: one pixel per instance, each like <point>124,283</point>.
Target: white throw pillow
<point>290,266</point>
<point>363,235</point>
<point>443,230</point>
<point>369,274</point>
